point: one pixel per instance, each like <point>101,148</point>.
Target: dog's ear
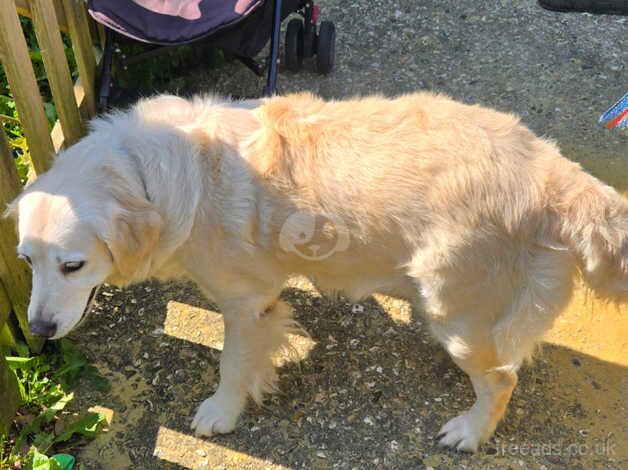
<point>133,237</point>
<point>132,227</point>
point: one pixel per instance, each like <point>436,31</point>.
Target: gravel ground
<point>374,389</point>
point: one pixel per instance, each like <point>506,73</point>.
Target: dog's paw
<point>461,433</point>
<point>215,416</point>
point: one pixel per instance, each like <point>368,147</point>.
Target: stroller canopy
<point>170,22</point>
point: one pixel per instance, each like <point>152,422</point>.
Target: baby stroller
<point>240,27</point>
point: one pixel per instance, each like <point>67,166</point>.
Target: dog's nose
<point>42,328</point>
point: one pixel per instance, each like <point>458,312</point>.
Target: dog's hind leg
<point>493,383</point>
<point>490,349</point>
<point>489,306</point>
<point>253,333</point>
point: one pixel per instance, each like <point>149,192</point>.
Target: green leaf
<point>87,426</point>
<point>43,441</point>
<point>21,347</point>
<point>75,366</point>
<point>51,112</point>
<point>44,418</point>
<point>65,461</point>
<point>22,390</point>
<point>60,405</point>
<point>35,55</point>
<point>20,362</point>
<point>41,462</point>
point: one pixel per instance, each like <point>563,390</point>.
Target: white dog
<point>456,207</point>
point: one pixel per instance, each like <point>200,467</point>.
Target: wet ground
<point>374,389</point>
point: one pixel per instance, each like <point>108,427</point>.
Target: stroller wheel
<point>294,45</point>
<point>325,47</point>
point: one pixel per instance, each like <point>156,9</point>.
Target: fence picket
<point>11,399</point>
<point>83,50</point>
<point>8,334</point>
<point>5,306</point>
<point>57,69</point>
<point>17,66</point>
<point>23,9</point>
<point>14,273</point>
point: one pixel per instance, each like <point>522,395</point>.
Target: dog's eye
<point>72,266</point>
<point>26,258</point>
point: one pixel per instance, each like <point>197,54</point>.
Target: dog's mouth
<point>88,306</point>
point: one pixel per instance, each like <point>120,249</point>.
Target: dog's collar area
<point>92,294</point>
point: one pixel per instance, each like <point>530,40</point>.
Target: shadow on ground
<point>372,393</point>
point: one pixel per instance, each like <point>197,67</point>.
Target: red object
<point>623,115</point>
<point>315,12</point>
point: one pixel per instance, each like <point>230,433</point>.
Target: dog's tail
<point>591,220</point>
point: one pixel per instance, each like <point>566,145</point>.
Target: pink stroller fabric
<point>170,22</point>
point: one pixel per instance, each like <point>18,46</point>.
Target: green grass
<point>46,384</point>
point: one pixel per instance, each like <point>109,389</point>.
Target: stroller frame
<point>270,64</point>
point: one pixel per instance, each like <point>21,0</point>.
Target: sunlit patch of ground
<point>192,452</point>
<point>203,326</point>
<point>595,330</point>
<point>593,327</point>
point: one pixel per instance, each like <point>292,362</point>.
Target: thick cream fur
<point>458,208</point>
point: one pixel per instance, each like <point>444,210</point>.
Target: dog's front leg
<point>252,334</point>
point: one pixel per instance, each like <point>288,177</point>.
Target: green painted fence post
<point>11,399</point>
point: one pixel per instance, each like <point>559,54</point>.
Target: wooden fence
<point>74,103</point>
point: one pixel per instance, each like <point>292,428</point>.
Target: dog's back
<point>438,186</point>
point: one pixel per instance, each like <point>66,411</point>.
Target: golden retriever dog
<point>457,208</point>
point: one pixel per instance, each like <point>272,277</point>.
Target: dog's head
<point>79,225</point>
